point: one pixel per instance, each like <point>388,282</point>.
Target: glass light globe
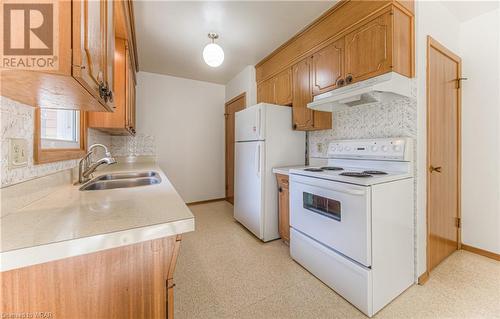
<point>213,55</point>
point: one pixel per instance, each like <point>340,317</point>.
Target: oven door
<point>335,214</point>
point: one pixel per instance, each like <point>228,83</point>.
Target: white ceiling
<point>466,10</point>
<point>171,35</point>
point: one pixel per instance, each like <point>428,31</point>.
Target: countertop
<point>69,222</point>
<point>285,170</point>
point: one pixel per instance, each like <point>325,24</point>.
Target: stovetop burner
<point>313,169</point>
<point>375,172</point>
<point>356,174</point>
<point>332,168</point>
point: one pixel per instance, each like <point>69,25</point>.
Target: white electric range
<point>352,220</point>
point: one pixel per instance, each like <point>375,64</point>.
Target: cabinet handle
<point>340,82</point>
<point>280,189</point>
<point>348,79</point>
<point>110,95</point>
<point>105,93</point>
<point>294,126</point>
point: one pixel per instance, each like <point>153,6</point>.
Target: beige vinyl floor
<point>225,272</point>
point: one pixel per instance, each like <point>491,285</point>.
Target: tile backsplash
<point>395,118</point>
<point>138,145</point>
<point>17,121</point>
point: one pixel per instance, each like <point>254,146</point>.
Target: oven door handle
<point>349,191</point>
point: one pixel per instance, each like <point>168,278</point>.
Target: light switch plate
<point>18,152</point>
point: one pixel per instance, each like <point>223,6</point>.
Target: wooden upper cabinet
<point>302,117</point>
<point>265,92</point>
<point>328,67</point>
<point>93,51</point>
<point>122,120</point>
<point>130,92</point>
<point>276,90</point>
<point>283,88</point>
<point>368,49</point>
<point>82,57</point>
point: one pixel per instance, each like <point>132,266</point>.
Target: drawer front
<point>350,280</point>
<point>335,214</point>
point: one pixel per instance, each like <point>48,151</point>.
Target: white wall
<point>480,52</point>
<point>243,82</point>
<point>432,18</point>
<point>186,119</point>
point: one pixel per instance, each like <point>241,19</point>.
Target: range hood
<point>381,88</point>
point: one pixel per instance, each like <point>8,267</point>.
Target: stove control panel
<point>397,149</point>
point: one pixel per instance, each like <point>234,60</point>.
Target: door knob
<point>435,169</point>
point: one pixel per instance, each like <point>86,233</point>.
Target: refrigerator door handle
<point>259,118</point>
<point>257,160</point>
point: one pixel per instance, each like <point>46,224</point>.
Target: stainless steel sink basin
<point>96,184</point>
<point>114,176</point>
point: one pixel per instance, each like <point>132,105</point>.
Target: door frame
<point>244,97</point>
<point>432,43</point>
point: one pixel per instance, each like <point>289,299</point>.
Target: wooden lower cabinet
<point>284,207</point>
<point>134,281</point>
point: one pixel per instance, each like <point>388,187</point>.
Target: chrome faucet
<point>86,167</point>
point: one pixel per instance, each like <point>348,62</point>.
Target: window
<point>324,206</point>
<point>60,128</point>
<point>59,135</point>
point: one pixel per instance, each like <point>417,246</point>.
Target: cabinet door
<point>328,67</point>
<point>283,88</point>
<point>129,93</point>
<point>265,91</point>
<point>302,117</point>
<point>368,49</point>
<point>284,208</point>
<point>93,35</point>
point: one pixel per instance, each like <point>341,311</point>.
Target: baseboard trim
<point>206,201</point>
<point>481,252</point>
<point>423,278</point>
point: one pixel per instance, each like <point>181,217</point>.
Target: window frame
<point>47,155</point>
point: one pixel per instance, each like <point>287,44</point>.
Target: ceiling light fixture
<point>213,53</point>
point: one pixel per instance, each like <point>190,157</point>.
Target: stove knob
<point>340,148</point>
<point>396,148</point>
<point>347,148</point>
<point>374,148</point>
<point>385,148</point>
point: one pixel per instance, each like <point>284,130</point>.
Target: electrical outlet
<point>18,152</point>
<point>319,147</point>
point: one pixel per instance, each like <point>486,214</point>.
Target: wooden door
<point>443,152</point>
<point>328,67</point>
<point>283,88</point>
<point>93,48</point>
<point>302,117</point>
<point>236,104</point>
<point>265,91</point>
<point>368,50</point>
<point>284,207</point>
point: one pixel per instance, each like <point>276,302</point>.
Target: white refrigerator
<point>264,139</point>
